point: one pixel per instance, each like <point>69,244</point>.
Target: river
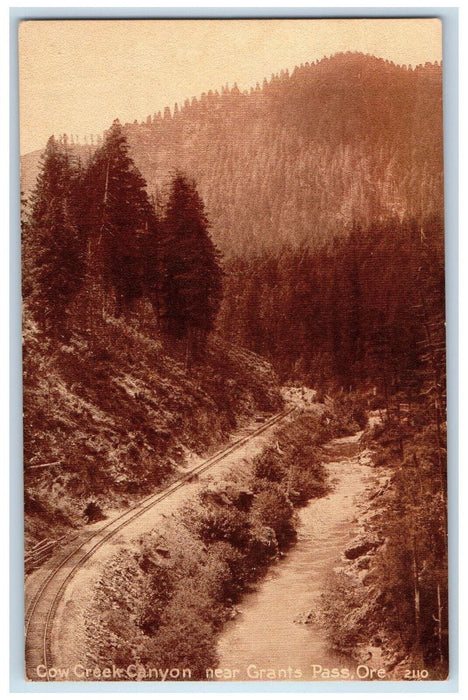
<point>266,634</point>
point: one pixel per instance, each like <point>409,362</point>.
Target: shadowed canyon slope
<point>298,159</point>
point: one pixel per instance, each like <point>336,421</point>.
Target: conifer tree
<point>56,249</point>
<point>118,218</point>
<point>192,281</point>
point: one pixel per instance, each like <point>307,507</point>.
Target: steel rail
<point>219,453</point>
<point>135,512</point>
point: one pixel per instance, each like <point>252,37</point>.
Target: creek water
<point>267,633</point>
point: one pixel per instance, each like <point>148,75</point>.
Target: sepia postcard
<point>234,366</point>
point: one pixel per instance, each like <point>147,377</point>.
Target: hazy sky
<point>77,76</point>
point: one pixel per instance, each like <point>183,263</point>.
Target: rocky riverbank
<point>167,596</point>
<point>360,598</point>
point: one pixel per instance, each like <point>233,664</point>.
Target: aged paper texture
<point>234,350</point>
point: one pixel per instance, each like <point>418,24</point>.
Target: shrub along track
<point>43,606</point>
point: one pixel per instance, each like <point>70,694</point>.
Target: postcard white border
<point>449,18</point>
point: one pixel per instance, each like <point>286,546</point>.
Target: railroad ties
<point>44,602</point>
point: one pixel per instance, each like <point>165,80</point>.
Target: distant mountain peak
<point>351,137</point>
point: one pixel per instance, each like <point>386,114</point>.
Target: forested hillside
<point>300,157</point>
<point>175,268</point>
<point>349,138</point>
<point>122,379</point>
<point>358,311</point>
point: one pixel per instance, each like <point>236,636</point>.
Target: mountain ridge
<point>350,138</point>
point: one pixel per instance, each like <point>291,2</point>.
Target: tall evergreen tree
<point>192,281</point>
<point>55,248</point>
<point>118,218</point>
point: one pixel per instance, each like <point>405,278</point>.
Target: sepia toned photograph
<point>234,350</point>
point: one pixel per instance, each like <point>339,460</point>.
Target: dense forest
<point>365,316</point>
<point>355,312</point>
<point>94,244</point>
<point>297,158</point>
<point>121,377</point>
<point>323,190</point>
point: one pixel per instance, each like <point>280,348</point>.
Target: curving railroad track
<point>43,605</point>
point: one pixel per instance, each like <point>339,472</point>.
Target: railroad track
<point>42,608</point>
